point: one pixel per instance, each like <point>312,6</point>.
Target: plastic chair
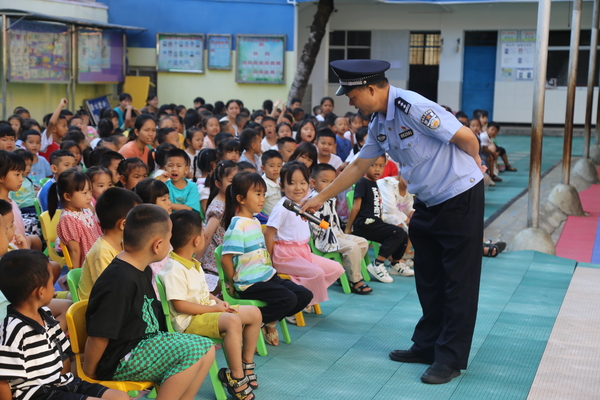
<point>260,345</point>
<point>38,208</point>
<point>300,316</point>
<point>73,278</point>
<point>49,231</point>
<point>67,257</point>
<point>214,369</point>
<point>374,245</point>
<point>78,336</point>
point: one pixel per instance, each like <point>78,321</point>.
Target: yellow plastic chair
<point>261,347</point>
<point>374,245</point>
<point>73,278</point>
<point>300,315</point>
<point>49,231</point>
<point>214,369</point>
<point>67,257</point>
<point>78,336</point>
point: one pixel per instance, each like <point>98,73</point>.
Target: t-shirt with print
<point>124,309</point>
<point>25,196</point>
<point>371,200</point>
<point>251,260</point>
<point>188,195</point>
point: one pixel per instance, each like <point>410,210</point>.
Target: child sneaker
<point>400,268</point>
<point>379,272</point>
<point>409,263</point>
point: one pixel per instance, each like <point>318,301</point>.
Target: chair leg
<point>285,331</point>
<point>363,269</point>
<point>318,309</point>
<point>261,345</point>
<point>344,282</point>
<point>216,383</point>
<point>152,394</point>
<point>375,248</point>
<point>300,319</point>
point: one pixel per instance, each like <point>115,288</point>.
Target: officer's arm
<point>347,178</point>
<point>467,142</point>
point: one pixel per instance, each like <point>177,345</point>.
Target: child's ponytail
<point>241,184</point>
<point>231,206</point>
<point>223,169</point>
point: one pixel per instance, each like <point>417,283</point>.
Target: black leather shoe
<point>439,373</point>
<point>409,356</point>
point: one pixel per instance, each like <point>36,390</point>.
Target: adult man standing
<point>439,158</point>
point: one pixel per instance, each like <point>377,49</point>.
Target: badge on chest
<point>406,134</point>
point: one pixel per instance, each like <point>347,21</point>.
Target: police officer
<point>439,158</point>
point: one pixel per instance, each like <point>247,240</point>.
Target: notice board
<point>180,52</point>
<point>219,52</point>
<point>38,52</point>
<point>260,59</point>
<point>100,56</point>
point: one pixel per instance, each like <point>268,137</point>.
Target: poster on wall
<point>517,55</point>
<point>38,52</point>
<point>260,59</point>
<point>509,36</point>
<point>180,52</point>
<point>528,36</point>
<point>219,52</point>
<point>100,56</point>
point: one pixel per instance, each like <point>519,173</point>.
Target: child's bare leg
<point>505,160</point>
<point>59,309</point>
<point>112,394</point>
<point>231,325</point>
<point>35,243</point>
<point>251,319</point>
<point>185,384</point>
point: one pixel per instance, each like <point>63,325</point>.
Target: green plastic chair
<point>73,278</point>
<point>374,245</point>
<point>214,369</point>
<point>38,208</point>
<point>261,347</point>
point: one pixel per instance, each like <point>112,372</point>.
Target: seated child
<point>7,137</point>
<point>60,161</point>
<point>306,153</point>
<point>246,262</point>
<point>250,143</point>
<point>160,155</point>
<point>365,218</point>
<point>112,208</point>
<point>195,310</point>
<point>269,142</point>
<point>111,160</point>
<point>492,130</point>
<point>35,352</point>
<point>127,338</point>
<point>101,179</point>
<point>25,197</point>
<point>352,248</point>
<point>286,146</point>
<point>40,167</point>
<point>131,171</point>
<point>184,193</point>
<point>325,148</point>
<point>287,236</point>
<point>78,229</point>
<point>271,165</point>
<point>343,145</point>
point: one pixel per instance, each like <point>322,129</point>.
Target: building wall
<point>513,100</point>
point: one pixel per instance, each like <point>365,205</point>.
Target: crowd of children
<point>174,189</point>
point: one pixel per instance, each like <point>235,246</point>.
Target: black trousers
<point>284,298</point>
<point>447,240</point>
<point>393,239</point>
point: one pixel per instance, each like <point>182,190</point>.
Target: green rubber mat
<point>518,150</point>
<point>343,353</point>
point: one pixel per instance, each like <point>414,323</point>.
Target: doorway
<point>479,72</point>
<point>424,69</point>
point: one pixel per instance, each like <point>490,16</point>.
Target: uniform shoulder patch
<point>430,119</point>
<point>402,104</point>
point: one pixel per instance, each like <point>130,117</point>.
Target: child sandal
<point>271,338</point>
<point>251,377</point>
<point>232,384</point>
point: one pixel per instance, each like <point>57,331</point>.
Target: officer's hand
<point>312,205</point>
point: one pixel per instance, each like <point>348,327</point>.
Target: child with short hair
<point>74,149</point>
<point>284,130</point>
<point>326,139</point>
<point>35,362</point>
<point>343,145</point>
<point>352,248</point>
<point>56,129</point>
<point>7,137</point>
<point>25,196</point>
<point>193,309</point>
<point>211,127</point>
<point>131,171</point>
<point>230,150</point>
<point>306,153</point>
<point>286,146</point>
<point>271,166</point>
<point>40,168</point>
<point>60,161</point>
<point>250,143</point>
<point>168,135</point>
<point>127,338</point>
<point>160,158</point>
<point>365,218</point>
<point>270,139</point>
<point>112,208</point>
<point>184,193</point>
<point>287,236</point>
<point>111,160</point>
<point>245,259</point>
<point>194,139</point>
<point>78,227</point>
<point>101,179</point>
<point>493,128</point>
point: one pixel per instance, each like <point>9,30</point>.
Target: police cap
<point>354,73</point>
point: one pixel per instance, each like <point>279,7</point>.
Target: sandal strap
<point>235,383</point>
<point>246,366</point>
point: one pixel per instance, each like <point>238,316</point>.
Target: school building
<point>463,54</point>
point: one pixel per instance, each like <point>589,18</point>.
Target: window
<point>425,48</point>
<point>344,45</point>
<point>558,58</point>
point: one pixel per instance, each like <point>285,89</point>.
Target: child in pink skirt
<point>287,237</point>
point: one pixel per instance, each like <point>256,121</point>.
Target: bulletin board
<point>516,55</point>
<point>95,106</point>
<point>100,56</point>
<point>219,52</point>
<point>260,59</point>
<point>39,52</point>
<point>180,52</point>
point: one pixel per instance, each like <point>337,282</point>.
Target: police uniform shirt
<point>416,133</point>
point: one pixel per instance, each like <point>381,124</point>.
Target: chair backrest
<point>350,199</point>
<point>38,208</point>
<point>77,326</point>
<point>49,225</point>
<point>226,296</point>
<point>67,256</point>
<point>73,278</point>
<point>164,303</point>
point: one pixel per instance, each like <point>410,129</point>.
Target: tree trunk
<point>311,49</point>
